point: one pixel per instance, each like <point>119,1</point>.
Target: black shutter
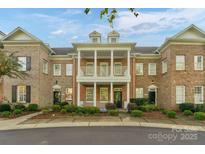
<point>28,63</point>
<point>14,94</point>
<point>28,94</point>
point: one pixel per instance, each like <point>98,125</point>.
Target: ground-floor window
<point>69,94</point>
<point>21,94</point>
<point>104,94</point>
<point>180,94</point>
<point>89,93</point>
<point>198,95</point>
<point>139,92</point>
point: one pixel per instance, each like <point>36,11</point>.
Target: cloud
<point>72,12</point>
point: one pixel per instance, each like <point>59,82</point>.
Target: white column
<point>128,62</point>
<point>78,97</point>
<point>128,95</point>
<point>79,63</point>
<point>111,64</point>
<point>94,103</point>
<point>95,63</point>
<point>111,92</point>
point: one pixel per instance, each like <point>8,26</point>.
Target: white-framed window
<point>180,94</point>
<point>139,93</point>
<point>104,69</point>
<point>139,68</point>
<point>89,68</point>
<point>21,94</point>
<point>89,94</point>
<point>152,69</point>
<point>198,95</point>
<point>69,69</point>
<point>180,62</point>
<point>113,40</point>
<point>69,94</point>
<point>118,68</point>
<point>56,69</point>
<point>164,66</point>
<point>45,66</point>
<point>104,94</point>
<point>22,61</point>
<point>198,62</point>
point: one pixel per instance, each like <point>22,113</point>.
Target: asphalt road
<point>100,135</point>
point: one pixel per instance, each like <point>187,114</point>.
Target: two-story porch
<point>103,74</point>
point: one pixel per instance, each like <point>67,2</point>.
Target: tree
<point>9,66</point>
<point>111,13</point>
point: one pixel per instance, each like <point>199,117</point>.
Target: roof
<point>2,33</point>
<point>145,50</point>
<point>63,51</point>
<point>94,34</point>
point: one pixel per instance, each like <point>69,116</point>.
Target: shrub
<point>70,108</point>
<point>5,107</point>
<point>131,106</point>
<point>199,116</point>
<point>91,110</point>
<point>171,114</point>
<point>45,111</point>
<point>164,111</point>
<point>188,112</point>
<point>63,103</point>
<point>17,111</point>
<point>63,111</point>
<point>110,106</point>
<point>6,114</point>
<point>136,113</point>
<point>200,108</point>
<point>138,101</point>
<point>147,107</point>
<point>20,106</point>
<point>56,108</point>
<point>186,106</point>
<point>32,107</point>
<point>113,112</point>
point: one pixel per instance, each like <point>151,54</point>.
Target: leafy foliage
<point>5,107</point>
<point>113,112</point>
<point>188,113</point>
<point>136,113</point>
<point>32,107</point>
<point>171,114</point>
<point>199,115</point>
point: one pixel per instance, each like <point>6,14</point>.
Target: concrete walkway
<point>20,123</point>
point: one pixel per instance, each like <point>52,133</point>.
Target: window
<point>152,69</point>
<point>45,66</point>
<point>118,69</point>
<point>113,40</point>
<point>180,94</point>
<point>198,62</point>
<point>104,94</point>
<point>139,68</point>
<point>104,69</point>
<point>198,95</point>
<point>69,69</point>
<point>21,94</point>
<point>139,92</point>
<point>95,40</point>
<point>69,94</point>
<point>164,66</point>
<point>89,68</point>
<point>22,61</point>
<point>57,69</point>
<point>180,62</point>
<point>89,94</point>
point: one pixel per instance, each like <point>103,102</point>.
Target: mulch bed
<point>155,115</point>
<point>16,116</point>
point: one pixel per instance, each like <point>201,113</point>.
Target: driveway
<point>101,135</point>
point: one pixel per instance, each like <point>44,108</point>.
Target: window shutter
<point>28,94</point>
<point>14,94</point>
<point>28,63</point>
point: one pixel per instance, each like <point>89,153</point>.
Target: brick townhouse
<point>97,72</point>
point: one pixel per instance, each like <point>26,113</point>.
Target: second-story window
<point>139,68</point>
<point>45,66</point>
<point>69,69</point>
<point>152,69</point>
<point>180,62</point>
<point>89,68</point>
<point>56,69</point>
<point>22,61</point>
<point>198,62</point>
<point>164,66</point>
<point>118,68</point>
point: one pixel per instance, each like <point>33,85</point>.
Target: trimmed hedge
<point>110,106</point>
<point>186,106</point>
<point>188,113</point>
<point>32,107</point>
<point>6,114</point>
<point>113,112</point>
<point>45,111</point>
<point>56,108</point>
<point>200,108</point>
<point>63,111</point>
<point>139,101</point>
<point>147,108</point>
<point>171,114</point>
<point>91,110</point>
<point>136,113</point>
<point>199,115</point>
<point>17,111</point>
<point>20,107</point>
<point>131,106</point>
<point>63,103</point>
<point>70,108</point>
<point>164,111</point>
<point>5,107</point>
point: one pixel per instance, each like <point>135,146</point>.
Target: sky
<point>61,27</point>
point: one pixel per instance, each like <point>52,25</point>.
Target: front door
<point>56,97</point>
<point>118,98</point>
<point>152,96</point>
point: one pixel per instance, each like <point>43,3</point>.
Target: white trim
<point>54,70</point>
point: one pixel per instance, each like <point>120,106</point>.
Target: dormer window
<point>95,37</point>
<point>113,37</point>
<point>95,40</point>
<point>113,40</point>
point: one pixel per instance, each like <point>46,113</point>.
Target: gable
<point>2,35</point>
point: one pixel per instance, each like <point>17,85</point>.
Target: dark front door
<point>56,97</point>
<point>118,98</point>
<point>152,96</point>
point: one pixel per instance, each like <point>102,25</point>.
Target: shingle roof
<point>63,51</point>
<point>145,50</point>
